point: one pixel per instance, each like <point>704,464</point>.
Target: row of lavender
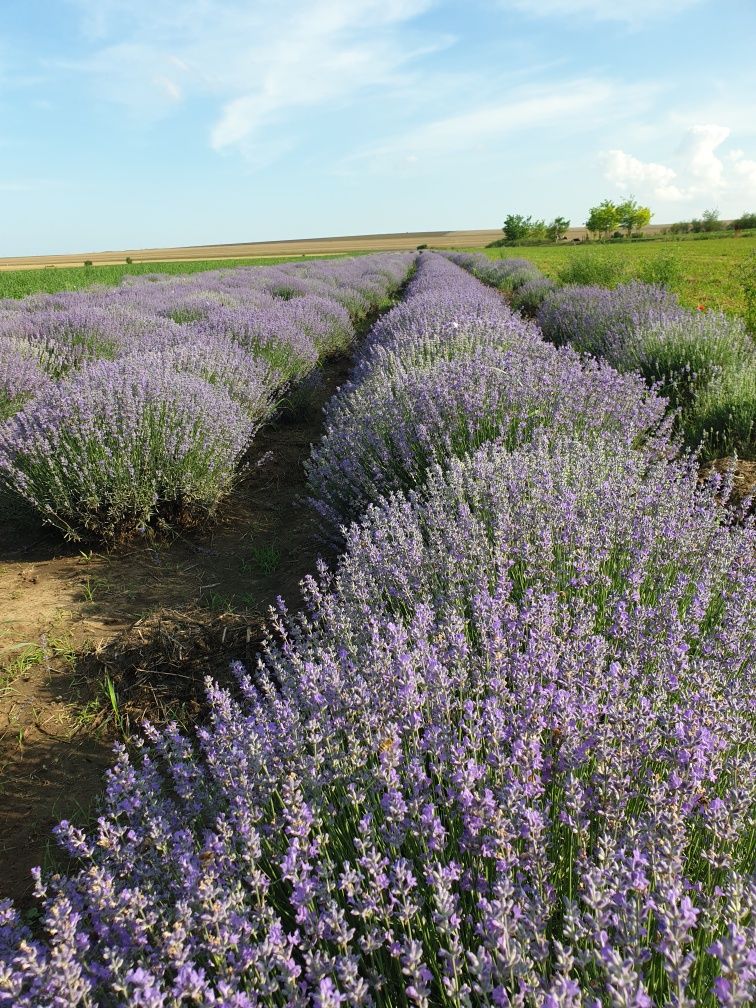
<point>703,361</point>
<point>122,407</point>
<point>504,756</point>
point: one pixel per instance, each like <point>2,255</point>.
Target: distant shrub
<point>592,268</point>
<point>681,227</point>
<point>129,260</point>
<point>87,262</point>
<point>744,222</point>
<point>664,270</point>
<point>421,247</point>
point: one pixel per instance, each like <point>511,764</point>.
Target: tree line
<point>609,218</point>
<point>603,220</point>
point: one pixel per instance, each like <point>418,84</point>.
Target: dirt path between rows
<point>90,643</point>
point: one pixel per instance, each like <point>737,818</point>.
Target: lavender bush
<point>683,355</point>
<point>503,759</point>
<point>529,296</point>
<point>601,322</point>
<point>21,375</point>
<point>703,362</point>
<point>722,415</point>
<point>506,274</point>
<point>121,445</point>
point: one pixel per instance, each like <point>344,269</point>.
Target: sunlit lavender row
<point>703,361</point>
<point>449,369</point>
<point>130,406</point>
<point>504,757</point>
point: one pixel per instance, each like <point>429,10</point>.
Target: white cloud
<point>745,169</point>
<point>256,61</point>
<point>627,172</point>
<point>697,150</point>
<point>631,12</point>
<point>699,174</point>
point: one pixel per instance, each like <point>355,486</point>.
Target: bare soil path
<point>90,643</point>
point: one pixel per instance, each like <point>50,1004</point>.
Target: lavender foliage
<point>21,375</point>
<point>123,444</point>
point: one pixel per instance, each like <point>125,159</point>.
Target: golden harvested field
<point>294,247</point>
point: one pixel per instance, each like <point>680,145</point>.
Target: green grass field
<point>709,267</point>
<point>19,283</point>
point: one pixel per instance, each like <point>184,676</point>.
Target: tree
<point>632,217</point>
<point>603,218</point>
<point>746,220</point>
<point>710,220</point>
<point>558,228</point>
<point>538,230</point>
<point>516,226</point>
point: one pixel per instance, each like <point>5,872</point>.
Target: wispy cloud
<point>255,62</point>
<point>488,126</point>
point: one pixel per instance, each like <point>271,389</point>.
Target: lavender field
<point>505,754</point>
<point>134,405</point>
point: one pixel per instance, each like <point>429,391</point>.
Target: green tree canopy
<point>516,226</point>
<point>603,218</point>
<point>558,228</point>
<point>632,216</point>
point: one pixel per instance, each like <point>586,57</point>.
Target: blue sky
<point>137,123</point>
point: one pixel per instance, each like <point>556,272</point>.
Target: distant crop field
<point>709,268</point>
<point>19,283</point>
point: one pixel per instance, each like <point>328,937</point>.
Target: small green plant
<point>217,602</point>
<point>591,267</point>
<point>664,270</point>
<point>28,656</point>
<point>111,696</point>
<point>264,558</point>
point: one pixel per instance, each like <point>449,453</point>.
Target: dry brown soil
<point>152,622</point>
